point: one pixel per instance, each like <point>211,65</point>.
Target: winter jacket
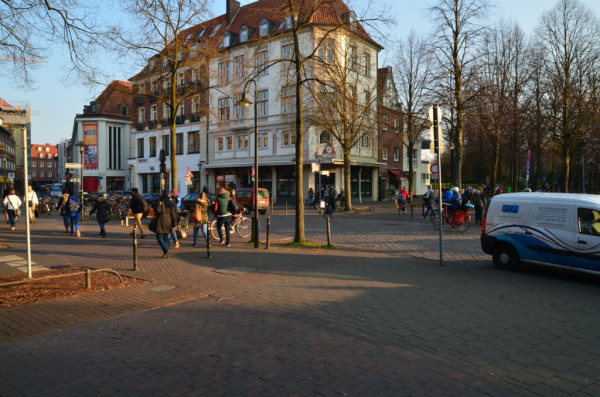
<point>102,210</point>
<point>68,207</point>
<point>204,208</point>
<point>62,201</point>
<point>166,214</point>
<point>137,203</point>
<point>223,203</point>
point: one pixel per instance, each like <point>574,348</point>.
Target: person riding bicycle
<point>429,198</point>
<point>401,199</point>
<point>453,204</point>
<point>342,199</point>
<point>235,207</point>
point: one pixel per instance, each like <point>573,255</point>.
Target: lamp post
<point>319,155</point>
<point>3,175</point>
<point>245,102</point>
<point>81,146</point>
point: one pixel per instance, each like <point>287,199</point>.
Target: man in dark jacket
<point>223,215</point>
<point>166,216</point>
<point>138,207</point>
<point>103,212</point>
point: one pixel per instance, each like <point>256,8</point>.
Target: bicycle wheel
<point>462,224</point>
<point>244,227</point>
<point>435,221</point>
<point>213,230</point>
<point>432,216</point>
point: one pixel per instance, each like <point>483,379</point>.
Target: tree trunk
<point>495,162</point>
<point>458,149</point>
<point>347,183</point>
<point>299,236</point>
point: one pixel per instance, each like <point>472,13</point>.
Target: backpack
<point>73,205</point>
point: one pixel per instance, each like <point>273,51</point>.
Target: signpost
<point>435,117</point>
<point>72,165</point>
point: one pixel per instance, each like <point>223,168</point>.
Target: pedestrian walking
<point>102,211</point>
<point>32,203</point>
<point>164,221</point>
<point>73,207</point>
<point>199,217</point>
<point>61,208</point>
<point>12,204</point>
<point>4,194</point>
<point>429,198</point>
<point>223,216</point>
<point>178,208</point>
<point>139,207</point>
<point>479,204</point>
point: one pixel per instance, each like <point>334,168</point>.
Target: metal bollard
<point>88,279</point>
<point>268,231</point>
<point>328,230</point>
<point>135,249</point>
<point>208,241</point>
<point>286,206</point>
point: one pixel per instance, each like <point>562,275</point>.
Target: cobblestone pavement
<point>376,316</point>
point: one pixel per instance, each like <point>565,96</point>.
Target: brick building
<point>44,164</point>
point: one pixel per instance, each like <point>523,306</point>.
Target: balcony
<point>180,119</point>
<point>139,99</point>
<point>195,117</point>
<point>181,90</point>
<point>152,124</point>
<point>139,126</point>
<point>166,121</point>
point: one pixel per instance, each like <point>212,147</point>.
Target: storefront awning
<point>397,174</point>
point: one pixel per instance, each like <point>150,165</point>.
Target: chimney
<point>232,8</point>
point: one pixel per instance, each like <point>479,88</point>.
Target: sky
<point>54,105</point>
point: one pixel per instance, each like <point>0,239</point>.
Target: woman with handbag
<point>12,203</point>
<point>32,203</point>
<point>165,219</point>
<point>199,217</point>
<point>103,212</point>
<point>60,206</point>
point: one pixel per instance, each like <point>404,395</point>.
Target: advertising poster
<point>90,140</point>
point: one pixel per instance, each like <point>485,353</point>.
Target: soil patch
<point>39,289</point>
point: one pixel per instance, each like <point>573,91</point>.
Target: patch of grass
<point>309,244</point>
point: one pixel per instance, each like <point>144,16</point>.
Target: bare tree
<point>167,38</point>
<point>570,37</point>
<point>413,72</point>
<point>28,26</point>
<point>457,31</point>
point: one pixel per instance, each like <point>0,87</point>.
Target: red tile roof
<point>117,93</point>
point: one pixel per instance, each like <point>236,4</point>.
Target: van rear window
<point>244,195</point>
<point>262,194</point>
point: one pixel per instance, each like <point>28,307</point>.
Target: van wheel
<point>262,212</point>
<point>505,257</point>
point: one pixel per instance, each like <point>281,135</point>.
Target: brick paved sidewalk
<point>357,321</point>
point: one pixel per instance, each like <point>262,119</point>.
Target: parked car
<point>151,198</point>
<point>245,197</point>
<point>555,229</point>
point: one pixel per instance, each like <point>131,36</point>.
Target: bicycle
<point>329,208</point>
<point>242,224</point>
<point>459,221</point>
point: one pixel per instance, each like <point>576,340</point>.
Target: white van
<point>557,229</point>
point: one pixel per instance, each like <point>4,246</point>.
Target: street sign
<point>188,174</point>
<point>72,165</point>
<point>188,181</point>
<point>434,168</point>
<point>433,177</point>
<point>329,149</point>
<point>11,175</point>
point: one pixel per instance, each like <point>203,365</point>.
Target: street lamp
<point>3,175</point>
<point>81,146</point>
<point>245,103</point>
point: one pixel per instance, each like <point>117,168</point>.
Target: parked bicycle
<point>242,224</point>
<point>459,221</point>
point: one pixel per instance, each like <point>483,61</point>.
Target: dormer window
<point>288,22</point>
<point>226,40</point>
<point>47,149</point>
<point>201,33</point>
<point>215,30</point>
<point>39,149</point>
<point>352,19</point>
<point>244,34</point>
<point>263,28</point>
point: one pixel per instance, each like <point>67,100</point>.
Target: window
<point>326,51</point>
<point>181,110</point>
<point>41,155</point>
<point>325,137</point>
<point>215,30</point>
<point>41,164</point>
<point>47,149</point>
<point>262,58</point>
<point>398,126</point>
<point>263,140</point>
<point>114,148</point>
<point>386,120</point>
<point>225,143</point>
<point>263,28</point>
<point>153,113</point>
<point>424,178</point>
<point>352,58</point>
<point>244,34</point>
<point>367,64</point>
<point>165,144</point>
<point>239,66</point>
<point>179,143</point>
<point>288,22</point>
<point>49,174</point>
<point>243,141</point>
<point>224,108</point>
<point>288,98</point>
<point>165,86</point>
<point>262,102</point>
<point>39,148</point>
<point>180,79</point>
<point>365,141</point>
<point>166,111</point>
<point>123,110</point>
<point>352,99</point>
<point>287,51</point>
<point>224,72</point>
<point>384,153</point>
<point>239,111</point>
<point>589,221</point>
<point>152,146</point>
<point>289,138</point>
<point>154,88</point>
<point>34,173</point>
<point>49,163</point>
<point>415,156</point>
<point>194,142</point>
<point>141,115</point>
<point>42,174</point>
<point>34,163</point>
<point>396,154</point>
<point>226,39</point>
<point>140,147</point>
